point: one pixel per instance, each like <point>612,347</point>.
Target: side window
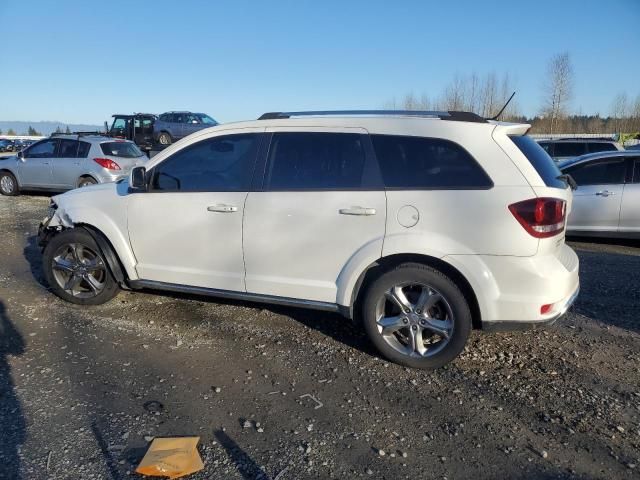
<point>569,149</point>
<point>177,118</point>
<point>608,172</point>
<point>68,148</point>
<point>315,161</point>
<point>119,124</point>
<point>427,163</point>
<point>594,147</point>
<point>44,149</point>
<point>83,149</point>
<point>636,171</point>
<point>220,164</point>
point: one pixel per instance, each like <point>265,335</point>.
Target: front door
<point>187,228</point>
<point>597,200</point>
<point>630,208</point>
<point>36,165</point>
<point>320,204</point>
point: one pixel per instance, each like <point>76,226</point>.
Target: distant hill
<point>46,128</point>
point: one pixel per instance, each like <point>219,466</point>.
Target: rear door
<point>630,208</point>
<point>321,204</point>
<point>66,165</point>
<point>36,165</point>
<point>597,200</point>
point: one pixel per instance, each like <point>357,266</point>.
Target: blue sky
<point>80,61</point>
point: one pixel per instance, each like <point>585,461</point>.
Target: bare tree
<point>557,89</point>
<point>620,112</point>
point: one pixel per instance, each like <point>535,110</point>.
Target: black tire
<point>90,254</point>
<point>452,310</point>
<point>165,139</point>
<point>86,182</point>
<point>8,184</point>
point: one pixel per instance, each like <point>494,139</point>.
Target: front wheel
<point>75,269</point>
<point>416,316</point>
<point>8,184</point>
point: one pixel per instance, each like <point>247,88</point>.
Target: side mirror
<point>138,179</point>
<point>21,155</point>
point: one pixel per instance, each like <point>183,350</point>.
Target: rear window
<point>121,149</point>
<point>540,160</point>
<point>601,147</point>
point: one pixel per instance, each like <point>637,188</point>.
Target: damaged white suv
<point>423,225</point>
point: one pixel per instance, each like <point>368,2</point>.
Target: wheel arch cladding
<point>108,252</point>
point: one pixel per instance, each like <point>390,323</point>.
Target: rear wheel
<point>165,139</point>
<point>86,181</point>
<point>416,316</point>
<point>76,270</point>
<point>8,184</point>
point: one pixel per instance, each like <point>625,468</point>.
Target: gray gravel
<point>84,390</point>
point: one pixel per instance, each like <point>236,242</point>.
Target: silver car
<point>64,162</point>
<point>607,200</point>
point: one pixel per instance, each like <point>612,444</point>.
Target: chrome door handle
<point>357,211</point>
<point>222,208</point>
<point>605,193</point>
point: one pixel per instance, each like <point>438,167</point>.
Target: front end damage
<point>55,221</point>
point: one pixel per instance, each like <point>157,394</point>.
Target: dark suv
<point>172,126</point>
<point>567,148</point>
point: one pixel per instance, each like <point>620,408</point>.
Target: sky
<point>82,61</point>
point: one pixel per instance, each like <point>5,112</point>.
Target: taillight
<point>541,217</point>
<point>107,163</point>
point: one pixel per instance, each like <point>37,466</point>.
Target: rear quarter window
<point>427,163</point>
<point>601,147</point>
<point>540,160</point>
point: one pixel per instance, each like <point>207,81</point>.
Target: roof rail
<point>79,134</point>
<point>442,115</point>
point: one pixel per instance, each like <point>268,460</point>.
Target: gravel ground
<point>83,390</point>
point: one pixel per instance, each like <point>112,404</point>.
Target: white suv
<point>422,225</point>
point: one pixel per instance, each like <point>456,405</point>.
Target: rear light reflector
<point>540,217</point>
<point>107,163</point>
<point>546,308</point>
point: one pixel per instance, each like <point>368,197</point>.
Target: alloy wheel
<point>79,270</point>
<point>7,184</point>
<point>415,319</point>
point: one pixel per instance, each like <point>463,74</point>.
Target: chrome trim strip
<point>250,297</point>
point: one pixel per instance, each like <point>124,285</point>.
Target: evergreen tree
<point>58,130</point>
<point>11,132</point>
<point>67,130</point>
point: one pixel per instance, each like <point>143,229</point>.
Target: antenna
<point>502,109</point>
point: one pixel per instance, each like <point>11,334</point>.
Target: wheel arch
<point>108,252</point>
<point>86,175</point>
<point>384,264</point>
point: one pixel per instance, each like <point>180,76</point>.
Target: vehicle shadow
<point>603,296</point>
<point>247,467</point>
<point>33,256</point>
<point>12,421</point>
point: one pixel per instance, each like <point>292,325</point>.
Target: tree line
<point>487,94</point>
<point>32,132</point>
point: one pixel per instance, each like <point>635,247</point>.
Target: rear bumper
<point>510,325</point>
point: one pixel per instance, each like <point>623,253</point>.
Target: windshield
<point>121,149</point>
<point>540,160</point>
<point>206,119</point>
